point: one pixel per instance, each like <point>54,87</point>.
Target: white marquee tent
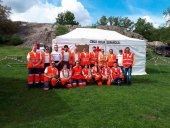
<point>105,39</point>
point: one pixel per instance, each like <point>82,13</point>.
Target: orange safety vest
<point>116,72</point>
<point>85,71</point>
<point>84,59</point>
<point>93,57</point>
<point>128,59</point>
<point>111,58</point>
<point>51,71</point>
<point>102,60</point>
<point>106,71</point>
<point>35,58</point>
<point>77,72</point>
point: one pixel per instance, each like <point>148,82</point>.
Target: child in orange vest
<point>86,73</point>
<point>65,77</point>
<point>96,74</point>
<point>106,74</point>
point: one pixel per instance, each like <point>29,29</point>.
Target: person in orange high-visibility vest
<point>86,73</point>
<point>77,77</point>
<point>106,74</point>
<point>65,77</point>
<point>47,58</point>
<point>67,57</point>
<point>84,58</point>
<point>116,74</point>
<point>101,58</point>
<point>33,64</point>
<point>51,76</point>
<point>93,57</point>
<point>96,74</point>
<point>128,62</point>
<point>111,58</point>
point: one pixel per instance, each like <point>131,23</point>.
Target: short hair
<point>120,50</point>
<point>65,46</point>
<point>94,46</point>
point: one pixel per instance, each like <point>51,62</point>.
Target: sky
<point>87,12</point>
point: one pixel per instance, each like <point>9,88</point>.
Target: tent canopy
<point>106,39</point>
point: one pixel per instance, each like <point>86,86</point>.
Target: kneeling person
<point>106,74</point>
<point>96,74</point>
<point>77,76</point>
<point>86,73</point>
<point>65,77</point>
<point>50,76</point>
<point>116,74</point>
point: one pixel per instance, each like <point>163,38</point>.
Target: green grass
<point>145,104</point>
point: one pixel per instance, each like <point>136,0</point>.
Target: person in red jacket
<point>128,62</point>
<point>106,74</point>
<point>93,57</point>
<point>116,74</point>
<point>84,58</point>
<point>86,73</point>
<point>111,58</point>
<point>51,76</point>
<point>77,77</point>
<point>65,77</point>
<point>33,64</point>
<point>96,74</point>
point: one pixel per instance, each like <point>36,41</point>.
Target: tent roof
<point>95,34</point>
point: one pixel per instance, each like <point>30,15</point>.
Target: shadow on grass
<point>18,105</point>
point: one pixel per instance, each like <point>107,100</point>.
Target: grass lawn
<point>145,104</point>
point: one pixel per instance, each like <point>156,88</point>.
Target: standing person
<point>128,62</point>
<point>120,59</point>
<point>96,74</point>
<point>116,74</point>
<point>66,56</point>
<point>75,56</point>
<point>77,77</point>
<point>33,64</point>
<point>111,58</point>
<point>101,59</point>
<point>93,57</point>
<point>86,73</point>
<point>56,57</point>
<point>47,59</point>
<point>51,76</point>
<point>65,77</point>
<point>106,74</point>
<point>84,58</point>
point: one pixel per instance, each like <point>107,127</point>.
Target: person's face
<point>115,65</point>
<point>127,50</point>
<point>102,51</point>
<point>94,49</point>
<point>34,48</point>
<point>105,65</point>
<point>120,52</point>
<point>86,66</point>
<point>66,49</point>
<point>75,50</point>
<point>47,50</point>
<point>65,67</point>
<point>77,63</point>
<point>111,51</point>
<point>53,64</point>
<point>56,48</point>
<point>84,50</point>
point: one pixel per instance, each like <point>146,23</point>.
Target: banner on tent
<point>103,42</point>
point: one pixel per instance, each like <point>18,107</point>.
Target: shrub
<point>61,29</point>
<point>15,41</point>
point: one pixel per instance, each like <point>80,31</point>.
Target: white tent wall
<point>107,40</point>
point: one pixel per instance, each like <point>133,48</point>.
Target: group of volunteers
<point>69,69</point>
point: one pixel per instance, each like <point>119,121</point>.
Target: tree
<point>111,21</point>
<point>144,28</point>
<point>166,13</point>
<point>61,29</point>
<point>66,18</point>
<point>103,20</point>
<point>6,25</point>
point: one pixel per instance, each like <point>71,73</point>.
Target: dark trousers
<point>128,74</point>
<point>59,67</point>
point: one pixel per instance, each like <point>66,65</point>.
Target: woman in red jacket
<point>96,74</point>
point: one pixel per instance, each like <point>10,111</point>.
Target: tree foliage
<point>61,29</point>
<point>103,20</point>
<point>66,18</point>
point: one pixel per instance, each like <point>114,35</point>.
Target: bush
<point>61,30</point>
<point>15,41</point>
